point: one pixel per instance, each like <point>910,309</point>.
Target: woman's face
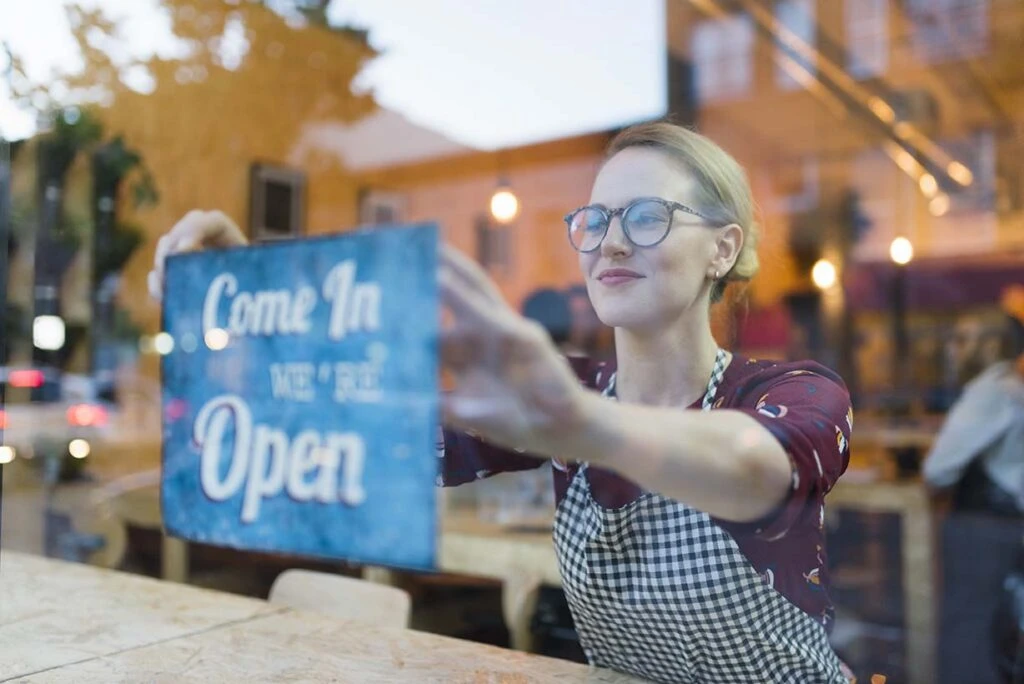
<point>649,288</point>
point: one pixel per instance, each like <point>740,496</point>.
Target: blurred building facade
<point>860,122</point>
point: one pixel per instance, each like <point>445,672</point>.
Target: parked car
<point>50,414</point>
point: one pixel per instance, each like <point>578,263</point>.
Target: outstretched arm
<point>514,388</point>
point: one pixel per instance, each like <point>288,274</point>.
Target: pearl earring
<point>716,275</point>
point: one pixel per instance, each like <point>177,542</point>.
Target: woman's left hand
<point>512,386</point>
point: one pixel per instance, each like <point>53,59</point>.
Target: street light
<point>48,333</point>
<point>163,343</point>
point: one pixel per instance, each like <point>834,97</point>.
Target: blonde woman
<point>690,481</point>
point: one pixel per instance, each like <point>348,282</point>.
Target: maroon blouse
<point>804,405</point>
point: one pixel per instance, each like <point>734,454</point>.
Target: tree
<point>302,66</point>
<point>248,77</point>
<point>61,229</point>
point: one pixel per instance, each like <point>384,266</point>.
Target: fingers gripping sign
<point>512,386</point>
<point>196,230</point>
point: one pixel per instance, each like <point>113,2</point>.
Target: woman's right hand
<point>196,230</point>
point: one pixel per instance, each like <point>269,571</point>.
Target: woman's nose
<point>615,243</point>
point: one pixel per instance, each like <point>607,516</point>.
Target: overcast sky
<point>488,73</point>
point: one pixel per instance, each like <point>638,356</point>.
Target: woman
<point>690,481</point>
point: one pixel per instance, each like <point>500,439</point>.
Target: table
<point>62,622</point>
<point>522,561</point>
<point>910,502</point>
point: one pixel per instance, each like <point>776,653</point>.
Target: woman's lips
<point>618,276</point>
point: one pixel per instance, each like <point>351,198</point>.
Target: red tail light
<point>87,415</point>
<point>3,420</point>
<point>25,378</point>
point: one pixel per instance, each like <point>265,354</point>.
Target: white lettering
<point>327,481</point>
<point>272,312</point>
<point>327,468</point>
<point>209,432</point>
<point>305,302</point>
<point>357,382</point>
<point>238,319</point>
<point>269,445</point>
<point>352,448</point>
<point>360,381</point>
<point>303,461</point>
<point>355,306</point>
<point>292,381</point>
<point>263,312</point>
<point>225,283</point>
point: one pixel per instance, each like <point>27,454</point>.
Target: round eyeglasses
<point>645,222</point>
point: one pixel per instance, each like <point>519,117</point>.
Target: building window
<point>948,29</point>
<point>381,208</point>
<point>723,56</point>
<point>277,203</point>
<point>494,246</point>
<point>867,37</point>
<point>796,23</point>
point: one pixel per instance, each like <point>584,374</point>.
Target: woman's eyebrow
<point>629,201</point>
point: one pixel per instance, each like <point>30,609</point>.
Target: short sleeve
<point>807,409</point>
<point>465,457</point>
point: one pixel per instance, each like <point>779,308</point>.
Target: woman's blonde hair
<point>722,192</point>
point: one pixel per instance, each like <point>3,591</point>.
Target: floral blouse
<point>803,404</point>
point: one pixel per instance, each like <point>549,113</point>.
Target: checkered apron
<point>658,590</point>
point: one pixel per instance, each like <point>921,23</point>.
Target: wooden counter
<point>61,622</point>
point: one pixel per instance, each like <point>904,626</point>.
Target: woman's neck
<point>668,367</point>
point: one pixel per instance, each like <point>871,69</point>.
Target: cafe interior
<point>883,142</point>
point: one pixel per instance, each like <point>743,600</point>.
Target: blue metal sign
<point>301,397</point>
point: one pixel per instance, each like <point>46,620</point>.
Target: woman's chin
<point>626,316</point>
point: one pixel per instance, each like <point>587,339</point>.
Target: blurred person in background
<point>690,481</point>
<point>977,461</point>
<point>589,334</point>
<point>973,347</point>
<point>552,310</point>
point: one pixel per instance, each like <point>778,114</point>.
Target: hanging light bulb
<point>929,186</point>
<point>901,251</point>
<point>504,204</point>
<point>939,204</point>
<point>824,274</point>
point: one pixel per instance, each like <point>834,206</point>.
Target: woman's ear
<point>728,245</point>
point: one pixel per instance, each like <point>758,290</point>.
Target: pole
<point>104,194</point>
<point>5,236</point>
<point>901,339</point>
<point>46,293</point>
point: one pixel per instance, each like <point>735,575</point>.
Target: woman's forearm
<point>721,462</point>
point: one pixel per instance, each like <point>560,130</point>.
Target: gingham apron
<point>658,590</point>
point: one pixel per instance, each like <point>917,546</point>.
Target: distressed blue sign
<point>301,397</point>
